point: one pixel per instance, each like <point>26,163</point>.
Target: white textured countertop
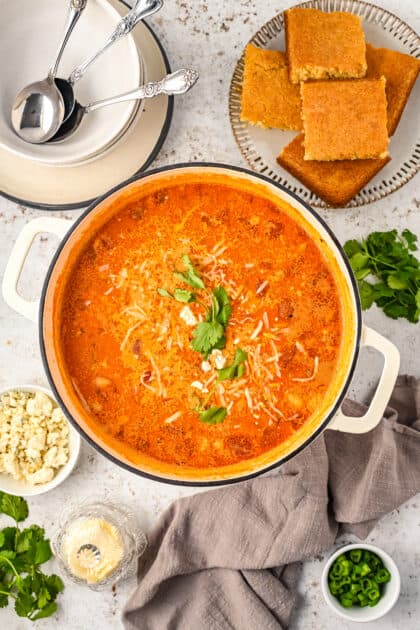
<point>210,34</point>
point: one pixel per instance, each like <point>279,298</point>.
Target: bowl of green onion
<point>360,582</point>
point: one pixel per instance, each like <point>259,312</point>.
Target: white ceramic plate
<point>260,147</point>
<point>29,36</point>
<point>24,488</point>
<point>66,187</point>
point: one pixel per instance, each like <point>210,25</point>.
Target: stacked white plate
<point>112,143</point>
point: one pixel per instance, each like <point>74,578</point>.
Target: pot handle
<point>19,253</point>
<point>373,415</point>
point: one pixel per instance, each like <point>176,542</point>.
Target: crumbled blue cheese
<point>218,359</point>
<point>34,437</point>
<point>188,316</point>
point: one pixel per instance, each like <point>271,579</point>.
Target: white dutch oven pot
<point>74,234</point>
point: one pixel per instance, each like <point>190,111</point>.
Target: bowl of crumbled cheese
<point>38,446</point>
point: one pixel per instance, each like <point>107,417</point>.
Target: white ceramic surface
<point>389,597</point>
<point>29,35</point>
<point>24,488</point>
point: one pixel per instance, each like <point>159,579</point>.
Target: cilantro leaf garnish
<point>164,293</point>
<point>210,334</point>
<point>224,307</point>
<point>213,415</point>
<point>387,272</point>
<point>206,335</point>
<point>190,276</point>
<point>236,369</point>
<point>182,295</point>
<point>22,551</point>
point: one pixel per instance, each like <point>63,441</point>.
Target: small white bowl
<point>35,35</point>
<point>25,489</point>
<point>390,594</point>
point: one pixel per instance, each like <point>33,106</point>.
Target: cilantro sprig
<point>213,415</point>
<point>22,551</point>
<point>209,334</point>
<point>216,415</point>
<point>387,272</point>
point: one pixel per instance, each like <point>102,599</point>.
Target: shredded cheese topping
<point>148,394</point>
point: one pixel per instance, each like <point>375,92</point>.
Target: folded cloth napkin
<point>229,558</point>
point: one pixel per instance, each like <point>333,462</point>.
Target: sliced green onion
<point>356,577</point>
<point>355,587</point>
<point>355,555</point>
<point>366,584</point>
<point>382,575</point>
<point>365,569</point>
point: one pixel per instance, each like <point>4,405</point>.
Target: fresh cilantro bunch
<point>387,273</point>
<point>22,551</point>
<point>210,334</point>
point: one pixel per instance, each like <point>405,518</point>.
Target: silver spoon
<point>39,108</point>
<point>178,82</point>
<point>141,10</point>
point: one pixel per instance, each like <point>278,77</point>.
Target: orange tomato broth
<point>127,349</point>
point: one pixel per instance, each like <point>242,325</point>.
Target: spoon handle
<point>178,82</point>
<point>75,11</point>
<point>140,10</point>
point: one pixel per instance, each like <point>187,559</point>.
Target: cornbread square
<point>400,72</point>
<point>324,45</point>
<point>268,97</point>
<point>334,182</point>
<point>345,120</point>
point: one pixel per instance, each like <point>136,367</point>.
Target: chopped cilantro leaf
<point>213,415</point>
<point>236,369</point>
<point>191,275</point>
<point>224,306</point>
<point>182,295</point>
<point>164,293</point>
<point>206,336</point>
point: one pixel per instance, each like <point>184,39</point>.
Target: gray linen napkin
<point>229,558</point>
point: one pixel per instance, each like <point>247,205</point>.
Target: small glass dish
<point>85,536</point>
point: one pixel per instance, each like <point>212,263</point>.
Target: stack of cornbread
<point>344,94</point>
